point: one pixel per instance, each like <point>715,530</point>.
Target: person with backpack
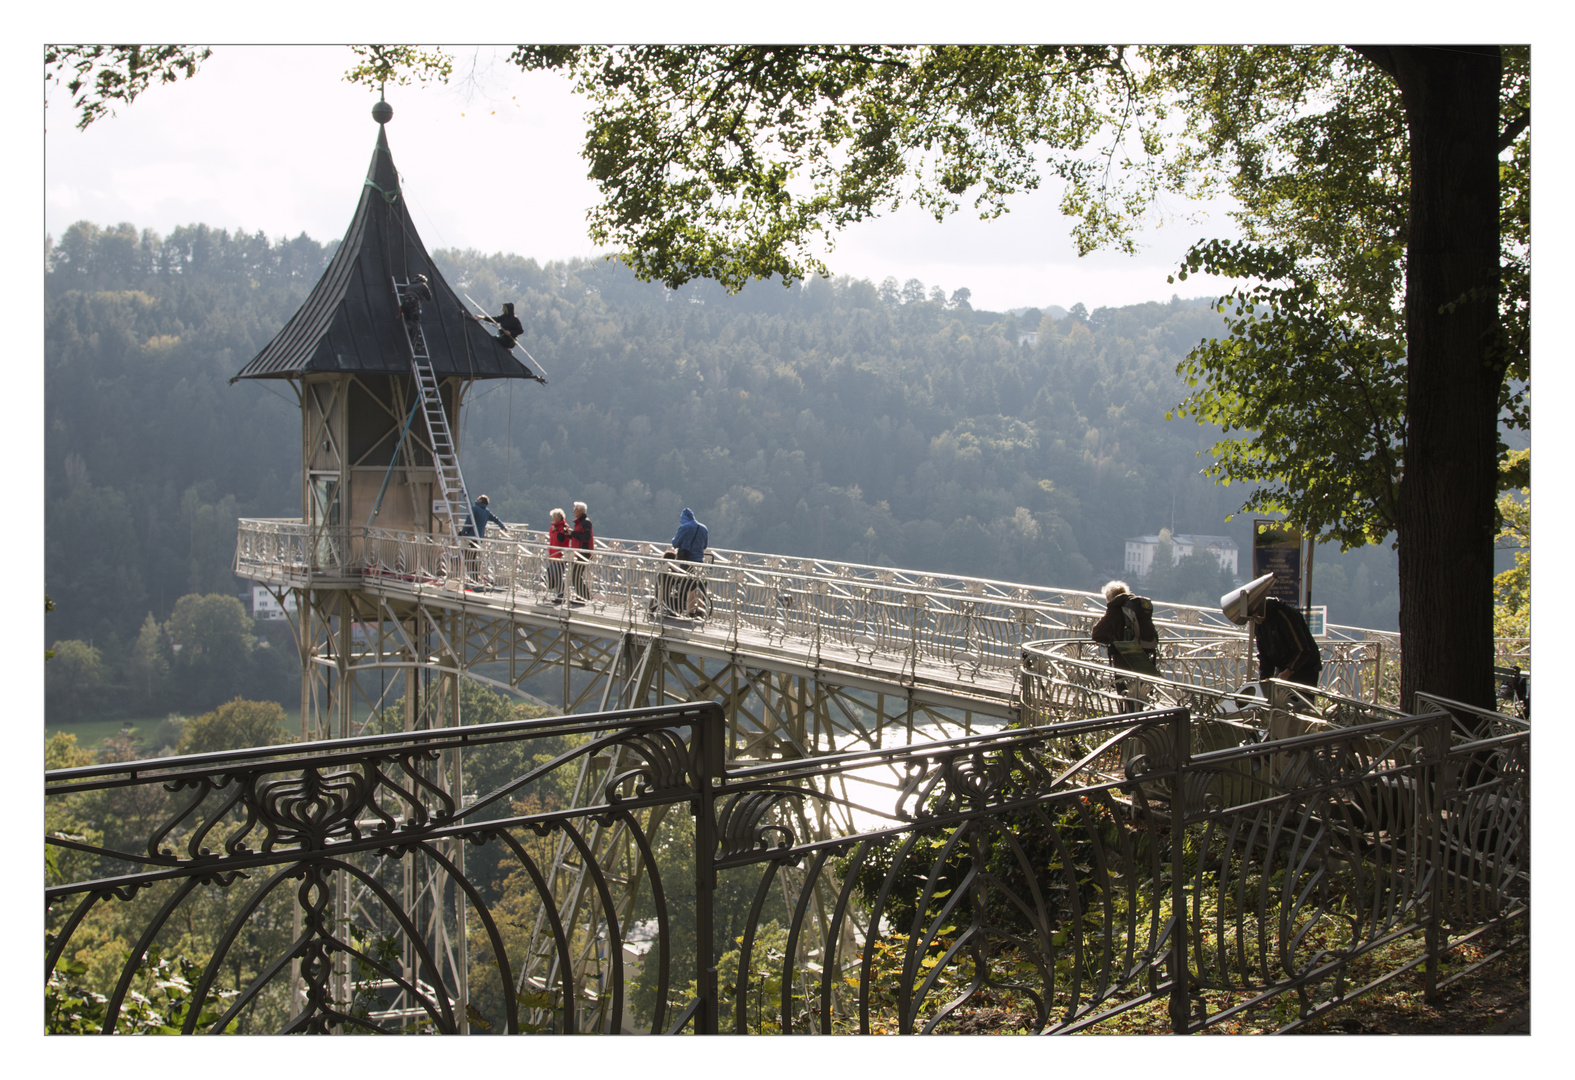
<point>1127,630</point>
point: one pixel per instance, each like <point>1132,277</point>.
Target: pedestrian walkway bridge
<point>806,656</point>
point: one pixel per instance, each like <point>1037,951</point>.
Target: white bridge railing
<point>979,627</point>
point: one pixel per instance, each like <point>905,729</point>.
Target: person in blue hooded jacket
<point>481,516</point>
<point>473,530</point>
<point>691,538</point>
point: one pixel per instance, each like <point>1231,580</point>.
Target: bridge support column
<point>342,678</point>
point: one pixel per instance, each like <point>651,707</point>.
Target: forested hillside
<point>822,421</point>
<point>841,419</point>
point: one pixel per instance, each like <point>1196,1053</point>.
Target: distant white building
<point>265,607</point>
<point>1141,550</point>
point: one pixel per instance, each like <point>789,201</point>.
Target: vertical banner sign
<point>1277,549</point>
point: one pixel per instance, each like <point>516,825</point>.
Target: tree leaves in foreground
<point>1512,587</point>
<point>1313,371</point>
<point>738,161</point>
<point>99,77</point>
<point>1318,395</point>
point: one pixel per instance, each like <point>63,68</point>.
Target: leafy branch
<point>100,76</point>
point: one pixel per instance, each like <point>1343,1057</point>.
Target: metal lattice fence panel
<point>612,873</point>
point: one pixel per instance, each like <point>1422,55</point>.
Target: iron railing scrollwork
<point>361,843</point>
<point>1049,878</point>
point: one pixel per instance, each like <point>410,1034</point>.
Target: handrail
<point>1181,619</point>
<point>910,620</point>
<point>1061,681</point>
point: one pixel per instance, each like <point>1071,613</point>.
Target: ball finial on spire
<point>382,112</point>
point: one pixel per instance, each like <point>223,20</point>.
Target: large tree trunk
<point>1447,492</point>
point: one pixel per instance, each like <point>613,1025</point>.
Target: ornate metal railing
<point>1050,878</point>
<point>1072,680</point>
<point>365,884</point>
<point>1381,832</point>
<point>280,545</point>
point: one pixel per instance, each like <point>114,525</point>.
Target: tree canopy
<point>1357,172</point>
<point>736,161</point>
<point>235,725</point>
<point>1313,371</point>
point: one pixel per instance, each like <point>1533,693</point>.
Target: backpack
<point>1139,637</point>
<point>1139,613</point>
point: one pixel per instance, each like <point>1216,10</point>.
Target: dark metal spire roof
<point>351,323</point>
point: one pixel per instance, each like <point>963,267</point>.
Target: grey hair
<point>557,513</point>
<point>1114,589</point>
<point>579,508</point>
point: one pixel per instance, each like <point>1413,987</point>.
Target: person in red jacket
<point>557,543</point>
<point>583,540</point>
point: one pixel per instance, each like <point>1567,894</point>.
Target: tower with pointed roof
<point>380,393</point>
<point>380,355</point>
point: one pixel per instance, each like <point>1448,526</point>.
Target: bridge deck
<point>968,683</point>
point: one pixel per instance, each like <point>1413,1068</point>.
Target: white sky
<point>272,138</point>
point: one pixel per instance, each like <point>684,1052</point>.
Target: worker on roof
<point>509,326</point>
<point>410,304</point>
